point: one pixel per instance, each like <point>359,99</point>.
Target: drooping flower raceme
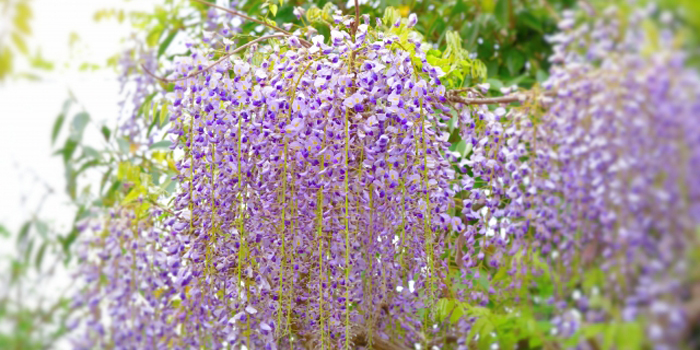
<point>615,155</point>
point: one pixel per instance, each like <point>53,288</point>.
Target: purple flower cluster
<point>615,156</point>
<point>319,205</point>
<point>139,88</point>
<point>314,198</point>
<point>321,169</point>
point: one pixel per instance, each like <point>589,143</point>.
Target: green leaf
<point>68,150</point>
<point>23,13</point>
<point>154,35</point>
<point>169,186</point>
<point>57,127</point>
<point>593,330</point>
<point>40,255</point>
<point>4,232</point>
<point>630,336</point>
<point>390,16</point>
<point>38,61</point>
<point>529,20</point>
<point>609,336</point>
<point>5,62</point>
<point>71,181</point>
<point>163,115</point>
<point>164,45</point>
<point>495,84</point>
<point>273,10</point>
<point>68,240</point>
<point>132,196</point>
<point>145,106</point>
<point>19,42</point>
<point>515,62</point>
<point>153,123</point>
<point>165,144</point>
<point>106,132</point>
<point>24,231</point>
<point>78,126</point>
<point>488,5</point>
<point>155,110</point>
<point>501,12</point>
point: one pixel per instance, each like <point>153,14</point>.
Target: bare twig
<point>487,100</point>
<point>520,97</point>
<point>357,19</point>
<point>224,57</point>
<point>236,13</point>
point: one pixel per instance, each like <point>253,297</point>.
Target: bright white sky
<point>28,109</point>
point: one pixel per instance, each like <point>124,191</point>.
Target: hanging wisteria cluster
<point>320,170</point>
<point>617,151</point>
<point>320,206</point>
<point>315,190</point>
<point>138,88</point>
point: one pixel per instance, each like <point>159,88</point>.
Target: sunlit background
<point>68,47</point>
<point>77,46</point>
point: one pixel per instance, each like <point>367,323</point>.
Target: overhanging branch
<point>223,58</point>
<point>236,13</point>
<point>518,97</point>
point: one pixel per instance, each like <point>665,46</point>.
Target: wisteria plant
<point>362,189</point>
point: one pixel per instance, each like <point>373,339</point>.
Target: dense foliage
<point>360,179</point>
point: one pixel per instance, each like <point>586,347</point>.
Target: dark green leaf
<point>458,9</point>
<point>501,12</point>
<point>529,20</point>
<point>515,62</point>
<point>106,132</point>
